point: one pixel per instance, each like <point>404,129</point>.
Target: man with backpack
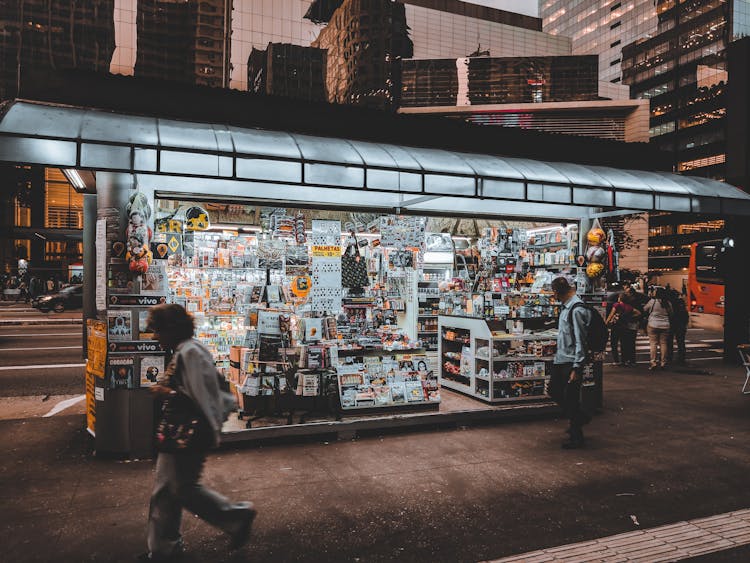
<point>581,331</point>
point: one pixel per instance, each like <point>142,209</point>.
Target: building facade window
<point>63,207</point>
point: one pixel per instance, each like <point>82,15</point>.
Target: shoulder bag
<point>182,427</point>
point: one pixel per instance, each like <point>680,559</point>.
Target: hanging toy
<point>138,234</point>
<point>299,228</point>
<point>596,251</point>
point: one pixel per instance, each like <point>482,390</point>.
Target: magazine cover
<point>143,332</point>
<point>267,384</point>
<point>120,372</point>
<point>310,384</point>
<point>251,386</point>
<point>313,329</point>
<point>414,393</point>
<point>151,368</point>
<point>398,392</point>
<point>382,395</point>
<point>119,325</point>
<point>154,281</point>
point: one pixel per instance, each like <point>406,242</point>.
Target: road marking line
<point>42,366</point>
<point>47,348</point>
<point>62,405</point>
<point>79,333</point>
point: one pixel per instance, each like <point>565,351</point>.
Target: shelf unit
<point>427,299</point>
<point>494,366</point>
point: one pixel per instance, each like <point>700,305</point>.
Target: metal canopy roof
<point>280,166</point>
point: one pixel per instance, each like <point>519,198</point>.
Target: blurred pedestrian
<point>658,312</point>
<point>191,377</point>
<point>613,296</point>
<point>679,322</point>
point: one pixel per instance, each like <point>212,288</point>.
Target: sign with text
<point>139,346</point>
<point>136,300</point>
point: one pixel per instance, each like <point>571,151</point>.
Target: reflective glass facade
<point>682,70</point>
<point>600,28</point>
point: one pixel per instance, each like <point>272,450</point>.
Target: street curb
<point>15,322</point>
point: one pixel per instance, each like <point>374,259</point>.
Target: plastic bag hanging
<point>596,250</point>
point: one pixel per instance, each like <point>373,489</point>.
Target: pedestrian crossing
<point>701,345</point>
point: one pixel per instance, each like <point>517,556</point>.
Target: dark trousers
<point>614,342</point>
<point>567,395</point>
<point>678,334</point>
<point>177,486</point>
<point>627,345</point>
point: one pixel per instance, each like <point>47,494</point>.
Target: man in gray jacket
<point>570,358</point>
<point>190,372</point>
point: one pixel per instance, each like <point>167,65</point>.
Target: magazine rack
<point>744,351</point>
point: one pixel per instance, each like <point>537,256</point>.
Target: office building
<point>184,41</point>
<point>600,28</point>
<point>682,71</point>
<point>288,70</point>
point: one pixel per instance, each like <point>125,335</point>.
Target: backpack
<point>597,334</point>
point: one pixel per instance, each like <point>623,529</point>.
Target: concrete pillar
<point>736,296</point>
<point>113,190</point>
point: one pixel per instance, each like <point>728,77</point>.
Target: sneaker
<point>241,536</point>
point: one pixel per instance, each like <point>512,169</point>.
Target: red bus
<point>705,284</point>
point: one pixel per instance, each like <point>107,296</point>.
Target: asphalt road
<point>41,360</point>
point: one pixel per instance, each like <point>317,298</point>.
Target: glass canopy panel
<point>224,140</point>
<point>111,157</point>
<point>498,209</point>
<point>392,180</point>
<point>634,200</point>
<point>449,185</point>
<point>537,171</point>
<point>401,157</point>
<point>706,205</point>
<point>39,151</point>
<point>503,190</point>
<point>550,194</point>
<point>238,190</point>
<point>42,120</point>
<point>661,184</point>
<point>191,163</point>
<point>272,170</point>
<point>672,203</point>
<point>113,127</point>
<point>327,149</point>
<point>593,196</point>
<point>435,160</point>
<point>264,143</point>
<point>187,135</point>
<point>492,166</point>
<point>331,175</point>
<point>581,175</point>
<point>374,154</point>
<point>621,179</point>
<point>716,188</point>
<point>144,160</point>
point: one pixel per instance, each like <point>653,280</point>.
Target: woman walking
<point>190,385</point>
<point>659,312</point>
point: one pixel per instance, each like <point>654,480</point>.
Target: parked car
<point>70,297</point>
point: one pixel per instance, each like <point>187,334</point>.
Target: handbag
<point>353,268</point>
<point>181,427</point>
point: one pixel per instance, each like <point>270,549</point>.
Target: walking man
<point>567,368</point>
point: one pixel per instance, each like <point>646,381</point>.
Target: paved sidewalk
<point>667,449</point>
<point>673,542</point>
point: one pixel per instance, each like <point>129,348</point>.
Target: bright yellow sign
<point>326,251</point>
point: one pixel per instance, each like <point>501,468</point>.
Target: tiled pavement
<point>673,542</point>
